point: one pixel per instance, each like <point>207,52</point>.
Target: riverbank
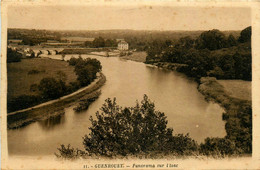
<point>170,66</point>
<point>54,107</point>
<point>136,56</point>
<point>238,114</point>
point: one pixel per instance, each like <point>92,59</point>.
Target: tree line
<point>211,54</point>
<point>101,42</point>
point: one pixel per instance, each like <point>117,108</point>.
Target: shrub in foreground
<point>118,131</point>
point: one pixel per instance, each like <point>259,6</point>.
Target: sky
<point>131,17</point>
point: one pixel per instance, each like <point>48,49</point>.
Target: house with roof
<point>122,45</point>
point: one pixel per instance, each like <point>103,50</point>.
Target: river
<point>173,93</point>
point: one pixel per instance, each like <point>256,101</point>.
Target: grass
<point>237,88</point>
<point>136,56</point>
<point>19,81</point>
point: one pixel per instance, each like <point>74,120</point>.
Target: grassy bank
<point>136,56</point>
<point>54,107</point>
<point>22,75</point>
<point>237,88</point>
<point>238,114</point>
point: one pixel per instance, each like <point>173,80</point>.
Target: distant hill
<point>113,34</point>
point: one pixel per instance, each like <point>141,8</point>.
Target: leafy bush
<point>218,147</point>
<point>69,153</point>
<point>13,56</point>
<point>86,69</point>
<point>51,88</point>
<point>73,61</point>
<point>245,35</point>
<point>73,86</point>
<point>212,40</point>
<point>133,130</point>
<point>22,102</point>
<point>138,130</point>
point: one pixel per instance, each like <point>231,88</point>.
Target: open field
<point>19,81</point>
<point>55,107</point>
<point>136,56</point>
<point>237,88</point>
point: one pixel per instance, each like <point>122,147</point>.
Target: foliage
<point>85,69</point>
<point>69,153</point>
<point>212,40</point>
<point>133,130</point>
<point>185,42</point>
<point>22,102</point>
<point>110,43</point>
<point>85,103</point>
<point>198,62</point>
<point>239,126</point>
<point>86,74</point>
<point>231,41</point>
<point>13,56</point>
<point>238,117</point>
<point>245,35</point>
<point>73,61</point>
<point>51,88</point>
<point>98,42</point>
<point>218,147</point>
<point>234,62</point>
<point>73,86</point>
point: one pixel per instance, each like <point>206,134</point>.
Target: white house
<point>122,45</point>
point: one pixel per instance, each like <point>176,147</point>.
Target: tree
<point>98,42</point>
<point>185,42</point>
<point>212,40</point>
<point>110,43</point>
<point>51,88</point>
<point>133,130</point>
<point>198,61</point>
<point>85,69</point>
<point>85,73</point>
<point>231,41</point>
<point>245,35</point>
<point>13,56</point>
<point>227,64</point>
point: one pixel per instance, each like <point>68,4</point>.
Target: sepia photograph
<point>137,85</point>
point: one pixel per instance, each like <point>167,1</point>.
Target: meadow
<point>22,75</point>
<point>136,56</point>
<point>237,88</point>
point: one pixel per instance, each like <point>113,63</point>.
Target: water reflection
<point>52,122</point>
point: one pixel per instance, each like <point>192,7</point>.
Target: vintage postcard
<point>130,85</point>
